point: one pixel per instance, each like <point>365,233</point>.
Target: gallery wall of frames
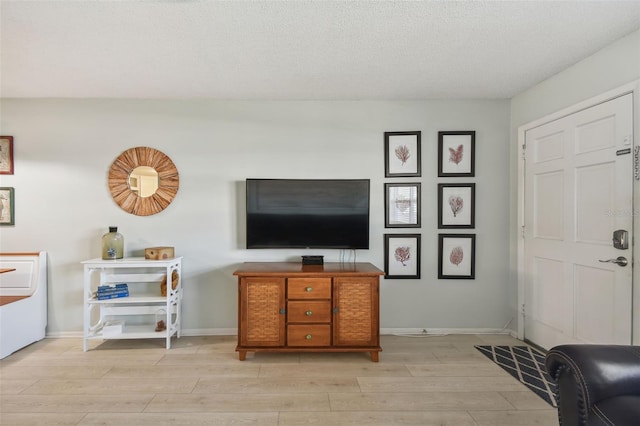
<point>403,204</point>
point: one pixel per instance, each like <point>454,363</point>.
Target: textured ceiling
<point>298,49</point>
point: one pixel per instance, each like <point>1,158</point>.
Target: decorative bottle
<point>112,244</point>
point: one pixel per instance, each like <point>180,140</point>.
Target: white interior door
<point>578,191</point>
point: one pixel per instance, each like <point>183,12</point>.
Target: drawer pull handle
<point>308,337</point>
<point>309,289</point>
<point>309,313</point>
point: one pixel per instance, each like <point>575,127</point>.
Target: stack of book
<point>112,291</point>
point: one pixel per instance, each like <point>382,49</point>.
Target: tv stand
<point>290,307</point>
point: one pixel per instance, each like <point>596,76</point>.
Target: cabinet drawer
<point>309,311</point>
<point>309,288</point>
<point>309,335</point>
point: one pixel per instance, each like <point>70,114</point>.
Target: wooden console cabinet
<point>290,307</point>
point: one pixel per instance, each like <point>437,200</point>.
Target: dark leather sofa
<point>597,384</point>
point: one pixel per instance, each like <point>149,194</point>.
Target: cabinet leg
<point>242,355</point>
<point>374,356</point>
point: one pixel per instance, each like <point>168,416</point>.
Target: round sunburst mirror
<point>143,181</point>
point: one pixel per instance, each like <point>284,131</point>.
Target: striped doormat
<point>526,365</point>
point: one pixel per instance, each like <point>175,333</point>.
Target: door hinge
<point>522,231</point>
<point>636,162</point>
<point>524,151</point>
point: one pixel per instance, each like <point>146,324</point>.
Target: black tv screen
<point>308,213</point>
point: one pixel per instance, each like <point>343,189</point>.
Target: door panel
<point>595,189</point>
<point>578,190</point>
<point>595,134</point>
<point>548,148</point>
<point>548,201</point>
<point>595,304</point>
<point>548,306</point>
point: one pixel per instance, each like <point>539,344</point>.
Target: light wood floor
<point>435,380</point>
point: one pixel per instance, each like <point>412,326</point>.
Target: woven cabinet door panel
<point>355,311</point>
<point>262,317</point>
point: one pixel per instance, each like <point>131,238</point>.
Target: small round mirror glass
<point>143,180</point>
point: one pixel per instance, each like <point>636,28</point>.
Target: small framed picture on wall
<point>456,153</point>
<point>456,256</point>
<point>402,154</point>
<point>7,206</point>
<point>456,205</point>
<point>6,155</point>
<point>402,256</point>
<point>402,205</point>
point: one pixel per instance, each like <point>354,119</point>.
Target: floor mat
<point>525,364</point>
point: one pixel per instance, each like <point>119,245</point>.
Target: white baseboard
<point>383,331</point>
<point>64,335</point>
<point>187,332</point>
<point>210,332</point>
<point>443,331</point>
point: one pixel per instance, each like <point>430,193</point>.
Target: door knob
<point>620,261</point>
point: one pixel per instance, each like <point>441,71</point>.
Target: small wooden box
<point>159,253</point>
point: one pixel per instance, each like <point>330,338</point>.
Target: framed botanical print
<point>402,154</point>
<point>402,256</point>
<point>456,205</point>
<point>456,256</point>
<point>456,153</point>
<point>6,155</point>
<point>402,205</point>
<point>7,206</point>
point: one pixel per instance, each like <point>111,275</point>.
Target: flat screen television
<point>308,213</point>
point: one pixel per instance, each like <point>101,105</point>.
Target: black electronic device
<point>313,260</point>
<point>307,213</point>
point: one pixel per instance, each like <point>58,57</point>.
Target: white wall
<point>611,67</point>
<point>64,148</point>
<point>614,66</point>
